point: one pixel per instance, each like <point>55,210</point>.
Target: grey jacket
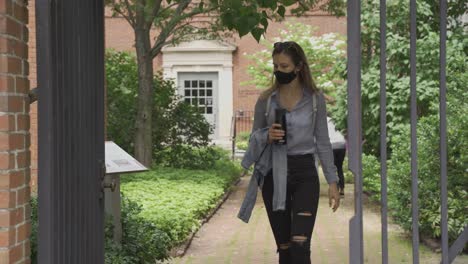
<point>268,157</point>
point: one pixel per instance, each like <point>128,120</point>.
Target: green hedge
<point>371,176</point>
<point>176,200</point>
<point>242,140</point>
<point>399,173</point>
<point>142,241</point>
<point>429,175</point>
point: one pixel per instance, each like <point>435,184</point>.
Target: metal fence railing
<point>242,121</point>
<point>356,248</point>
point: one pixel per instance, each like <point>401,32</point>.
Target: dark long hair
<point>297,55</point>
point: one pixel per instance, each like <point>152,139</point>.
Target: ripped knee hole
<point>305,213</point>
<point>284,246</point>
<point>299,239</point>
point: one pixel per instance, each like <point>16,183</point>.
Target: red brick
<point>24,2</point>
<point>5,7</point>
<point>11,103</point>
<point>16,103</point>
<point>10,65</point>
<point>16,253</point>
<point>4,45</point>
<point>5,218</point>
<point>23,232</point>
<point>20,12</point>
<point>27,139</point>
<point>12,180</point>
<point>25,34</point>
<point>27,251</point>
<point>7,161</point>
<point>23,159</point>
<point>23,196</point>
<point>22,85</point>
<point>10,27</point>
<point>13,47</point>
<point>7,237</point>
<point>18,215</point>
<point>11,141</point>
<point>27,211</point>
<point>7,199</point>
<point>18,48</point>
<point>25,66</point>
<point>27,176</point>
<point>10,218</point>
<point>7,123</point>
<point>22,124</point>
<point>7,83</point>
<point>4,256</point>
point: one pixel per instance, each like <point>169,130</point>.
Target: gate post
<point>356,251</point>
<point>15,225</point>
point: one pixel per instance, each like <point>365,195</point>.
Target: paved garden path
<point>226,239</point>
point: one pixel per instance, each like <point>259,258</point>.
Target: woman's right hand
<point>275,133</point>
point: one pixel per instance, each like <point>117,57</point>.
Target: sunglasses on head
<point>284,44</point>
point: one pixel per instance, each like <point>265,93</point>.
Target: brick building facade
<point>15,226</point>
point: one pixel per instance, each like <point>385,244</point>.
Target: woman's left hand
<point>333,196</point>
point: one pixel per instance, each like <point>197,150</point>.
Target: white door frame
<point>206,56</point>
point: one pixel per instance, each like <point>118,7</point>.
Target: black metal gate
<point>70,56</point>
<point>355,132</point>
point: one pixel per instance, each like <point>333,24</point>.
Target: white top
<point>336,138</point>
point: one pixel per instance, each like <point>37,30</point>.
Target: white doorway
<point>200,89</point>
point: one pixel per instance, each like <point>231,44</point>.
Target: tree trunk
<point>143,124</point>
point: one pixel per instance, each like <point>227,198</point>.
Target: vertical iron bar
<point>383,129</point>
<point>443,132</point>
<point>414,147</point>
<point>356,251</point>
<point>45,135</point>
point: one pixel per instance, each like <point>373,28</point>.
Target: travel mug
<point>280,118</point>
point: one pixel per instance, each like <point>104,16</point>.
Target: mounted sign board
<point>119,161</point>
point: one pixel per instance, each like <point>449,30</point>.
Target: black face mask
<point>285,77</point>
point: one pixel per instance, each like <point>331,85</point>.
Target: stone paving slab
<point>226,239</point>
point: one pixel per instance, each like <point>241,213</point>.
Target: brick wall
<point>15,224</point>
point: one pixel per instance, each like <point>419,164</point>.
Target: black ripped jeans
<point>294,226</point>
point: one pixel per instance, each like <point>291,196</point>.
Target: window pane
<point>209,84</point>
<point>209,92</point>
<point>202,101</point>
<point>202,84</point>
<point>187,92</point>
<point>209,101</point>
<point>187,84</point>
<point>209,110</point>
<point>187,100</point>
<point>194,84</point>
<point>201,109</point>
<point>202,92</point>
<point>194,92</point>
